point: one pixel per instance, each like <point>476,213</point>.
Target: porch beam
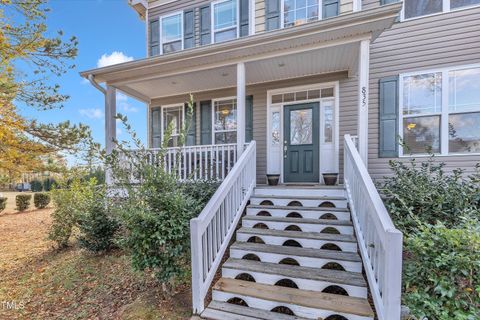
<point>241,96</point>
<point>110,125</point>
<point>363,82</point>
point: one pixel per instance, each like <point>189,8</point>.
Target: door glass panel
<point>276,128</point>
<point>328,123</point>
<point>301,128</point>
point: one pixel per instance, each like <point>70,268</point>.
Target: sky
<point>109,32</point>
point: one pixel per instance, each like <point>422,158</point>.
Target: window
<point>440,112</point>
<point>172,123</point>
<point>225,121</point>
<point>418,8</point>
<point>297,12</point>
<point>302,95</point>
<point>455,4</point>
<point>276,128</point>
<point>225,26</point>
<point>172,33</point>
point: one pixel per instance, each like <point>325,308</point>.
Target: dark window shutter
<point>189,29</point>
<point>154,37</point>
<point>330,8</point>
<point>244,18</point>
<point>192,130</point>
<point>205,25</point>
<point>388,117</point>
<point>206,122</point>
<point>249,119</point>
<point>155,125</point>
<point>272,14</point>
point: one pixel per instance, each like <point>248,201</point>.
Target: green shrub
<point>36,186</point>
<point>200,190</point>
<point>23,201</point>
<point>49,184</point>
<point>156,215</point>
<point>442,272</point>
<point>41,200</point>
<point>423,192</point>
<point>3,204</point>
<point>97,226</point>
<point>70,202</point>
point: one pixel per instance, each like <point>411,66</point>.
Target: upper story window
<point>418,8</point>
<point>297,12</point>
<point>440,111</point>
<point>172,33</point>
<point>225,20</point>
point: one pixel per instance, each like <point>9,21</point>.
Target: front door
<point>301,143</point>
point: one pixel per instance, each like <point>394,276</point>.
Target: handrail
<point>200,162</point>
<point>211,231</point>
<point>379,241</point>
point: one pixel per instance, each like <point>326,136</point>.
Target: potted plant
<point>330,179</point>
<point>273,179</point>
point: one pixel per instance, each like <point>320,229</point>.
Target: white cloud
<point>123,104</point>
<point>113,58</point>
<point>93,113</point>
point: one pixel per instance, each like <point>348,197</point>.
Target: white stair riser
<point>303,261</point>
<point>299,311</point>
<point>303,284</point>
<point>299,192</point>
<point>305,243</point>
<point>305,227</point>
<point>304,202</point>
<point>307,214</point>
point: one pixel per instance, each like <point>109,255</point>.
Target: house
<point>298,89</point>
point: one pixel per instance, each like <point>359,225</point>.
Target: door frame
<point>273,155</point>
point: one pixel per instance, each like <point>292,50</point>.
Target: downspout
<point>94,83</point>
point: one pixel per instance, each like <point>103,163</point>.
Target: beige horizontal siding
<point>348,116</point>
<point>444,40</point>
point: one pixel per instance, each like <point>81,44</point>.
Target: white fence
<point>207,162</point>
<point>212,230</point>
<point>379,241</point>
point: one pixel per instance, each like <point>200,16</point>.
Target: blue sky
<point>102,27</point>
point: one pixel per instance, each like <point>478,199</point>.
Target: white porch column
<point>110,125</point>
<point>363,82</point>
<point>241,96</point>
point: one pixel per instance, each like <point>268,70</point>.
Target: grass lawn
<point>45,283</point>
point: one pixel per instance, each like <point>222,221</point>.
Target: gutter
<point>94,83</point>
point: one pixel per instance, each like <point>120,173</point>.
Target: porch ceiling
<point>315,48</point>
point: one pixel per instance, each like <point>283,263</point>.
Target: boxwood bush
<point>439,216</point>
<point>41,200</point>
<point>3,204</point>
<point>23,201</point>
<point>37,186</point>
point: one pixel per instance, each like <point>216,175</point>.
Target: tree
<point>24,43</point>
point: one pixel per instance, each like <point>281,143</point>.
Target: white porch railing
<point>203,162</point>
<point>212,230</point>
<point>379,241</point>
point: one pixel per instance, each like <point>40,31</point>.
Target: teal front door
<point>301,143</point>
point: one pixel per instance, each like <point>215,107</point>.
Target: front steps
<point>295,257</point>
